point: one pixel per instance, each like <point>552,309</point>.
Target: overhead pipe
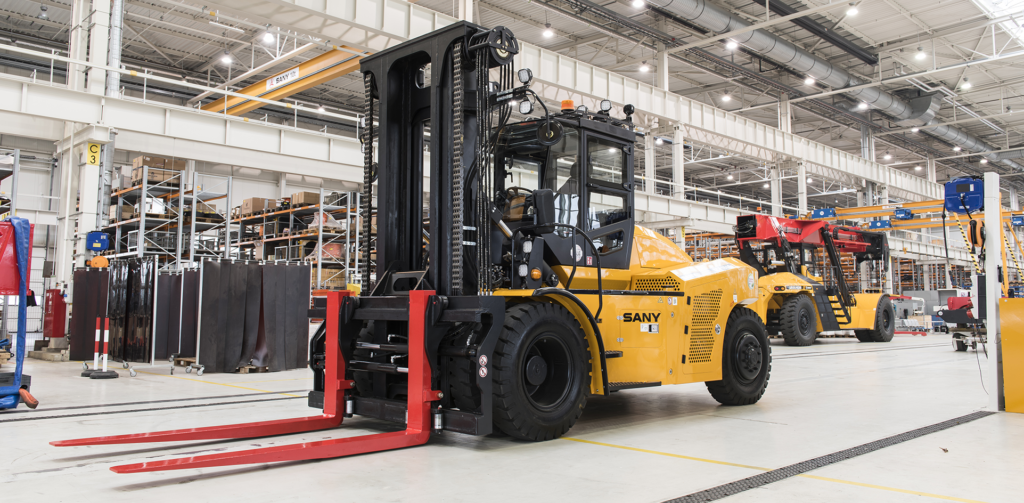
<point>719,20</point>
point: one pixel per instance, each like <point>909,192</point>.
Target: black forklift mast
<point>424,93</point>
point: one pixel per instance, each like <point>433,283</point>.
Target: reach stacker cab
<point>509,282</point>
<point>802,287</point>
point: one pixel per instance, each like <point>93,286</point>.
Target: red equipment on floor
<point>417,432</point>
<point>959,303</point>
<point>55,312</point>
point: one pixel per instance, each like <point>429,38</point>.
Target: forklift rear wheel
<point>885,323</point>
<point>960,344</point>
<point>541,372</point>
<point>746,360</point>
<point>798,321</point>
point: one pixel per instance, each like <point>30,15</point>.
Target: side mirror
<point>544,210</point>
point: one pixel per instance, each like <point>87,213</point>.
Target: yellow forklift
<point>802,288</point>
<point>527,297</point>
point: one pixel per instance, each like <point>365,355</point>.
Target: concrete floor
<point>640,445</point>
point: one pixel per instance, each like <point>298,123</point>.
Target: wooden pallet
<point>184,361</point>
<point>251,369</point>
<point>165,216</point>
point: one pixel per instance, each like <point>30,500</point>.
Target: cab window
<point>607,161</point>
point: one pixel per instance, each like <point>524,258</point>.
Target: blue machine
<point>824,213</point>
<point>1017,220</point>
<point>97,241</point>
<point>902,214</point>
<point>965,195</point>
<point>879,224</point>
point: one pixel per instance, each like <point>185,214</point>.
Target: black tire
<point>798,321</point>
<point>541,372</point>
<point>864,335</point>
<point>885,323</point>
<point>746,360</point>
<point>960,344</point>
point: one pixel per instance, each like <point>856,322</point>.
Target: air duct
<point>920,111</point>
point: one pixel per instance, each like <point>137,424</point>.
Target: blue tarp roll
<point>22,248</point>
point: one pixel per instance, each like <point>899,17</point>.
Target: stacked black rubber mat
<point>254,314</point>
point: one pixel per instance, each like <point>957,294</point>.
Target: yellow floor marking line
<point>760,468</point>
<point>680,456</point>
<point>217,383</point>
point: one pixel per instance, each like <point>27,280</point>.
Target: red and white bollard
<point>102,374</point>
<point>86,371</point>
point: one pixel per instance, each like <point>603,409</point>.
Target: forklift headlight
<point>606,105</point>
<point>525,107</point>
<point>523,270</point>
<point>582,109</point>
<point>527,246</point>
<point>525,75</point>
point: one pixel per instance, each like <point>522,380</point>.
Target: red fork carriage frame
<point>336,389</point>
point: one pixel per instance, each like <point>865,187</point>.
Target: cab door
<point>607,198</point>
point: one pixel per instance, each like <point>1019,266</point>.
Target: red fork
<point>417,431</point>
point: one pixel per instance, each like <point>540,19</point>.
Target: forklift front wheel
<point>541,372</point>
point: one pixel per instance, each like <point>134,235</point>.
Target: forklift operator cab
<point>589,174</point>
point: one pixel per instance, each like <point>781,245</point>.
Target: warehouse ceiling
<point>884,40</point>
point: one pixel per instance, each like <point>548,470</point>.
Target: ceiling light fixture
<point>732,45</point>
<point>809,81</point>
<point>809,179</point>
<point>917,168</point>
<point>226,58</point>
<point>639,4</point>
<point>726,98</point>
<point>914,129</point>
<point>644,67</point>
<point>728,177</point>
<point>862,106</point>
<point>852,11</point>
<point>957,149</point>
<point>966,84</point>
<point>766,185</point>
<point>42,13</point>
<point>658,141</point>
<point>984,161</point>
<point>548,32</point>
<point>887,156</point>
<point>268,38</point>
<point>920,54</point>
<point>320,109</point>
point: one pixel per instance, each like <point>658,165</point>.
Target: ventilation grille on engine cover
<point>702,330</point>
<point>656,284</point>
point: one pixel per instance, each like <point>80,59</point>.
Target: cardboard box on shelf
<point>330,279</point>
<point>204,208</point>
<point>303,198</point>
<point>332,251</point>
<point>158,162</point>
<point>156,175</point>
<point>254,204</point>
<point>126,212</point>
